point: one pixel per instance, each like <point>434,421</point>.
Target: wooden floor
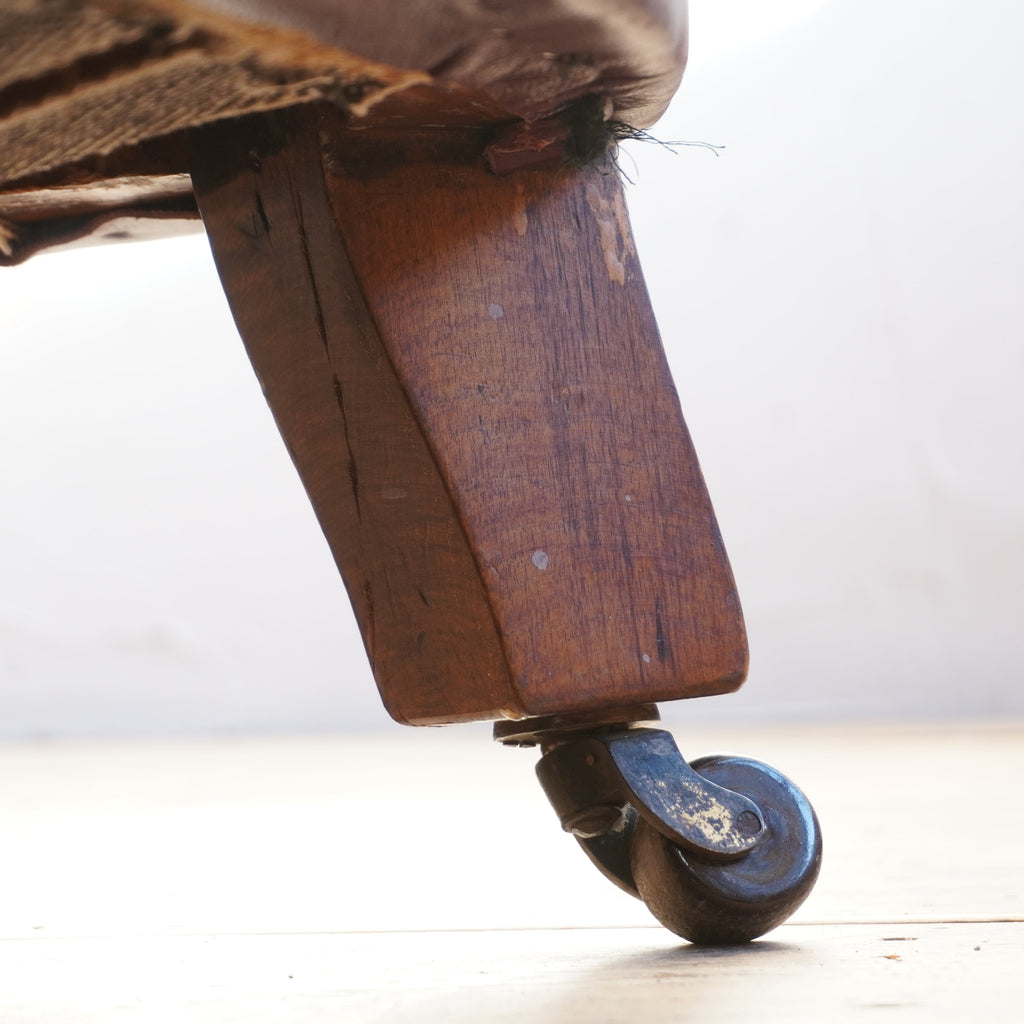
<point>420,877</point>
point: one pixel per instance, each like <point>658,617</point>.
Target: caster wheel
<point>724,902</point>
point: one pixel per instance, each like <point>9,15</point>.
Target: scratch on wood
<point>321,326</point>
<point>262,214</point>
<point>613,225</point>
<point>659,633</point>
<point>520,221</point>
<point>300,222</point>
<point>627,554</point>
<point>370,626</point>
<point>255,224</point>
<point>353,472</point>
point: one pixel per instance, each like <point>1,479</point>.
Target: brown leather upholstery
<point>101,91</point>
<point>530,56</point>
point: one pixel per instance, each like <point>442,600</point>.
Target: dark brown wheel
<point>723,902</point>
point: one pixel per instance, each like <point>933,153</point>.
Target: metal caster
<point>720,850</point>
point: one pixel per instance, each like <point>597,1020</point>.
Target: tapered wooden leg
<point>468,376</point>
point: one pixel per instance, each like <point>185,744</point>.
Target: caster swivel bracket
<point>590,779</point>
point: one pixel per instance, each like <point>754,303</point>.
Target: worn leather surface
<point>92,90</point>
<point>531,56</point>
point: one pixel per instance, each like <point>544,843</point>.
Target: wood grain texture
<point>469,377</point>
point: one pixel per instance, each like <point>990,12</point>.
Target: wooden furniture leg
<point>467,373</point>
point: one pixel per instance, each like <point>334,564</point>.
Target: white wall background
<point>840,293</point>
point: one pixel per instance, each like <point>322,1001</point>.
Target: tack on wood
<point>468,376</point>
